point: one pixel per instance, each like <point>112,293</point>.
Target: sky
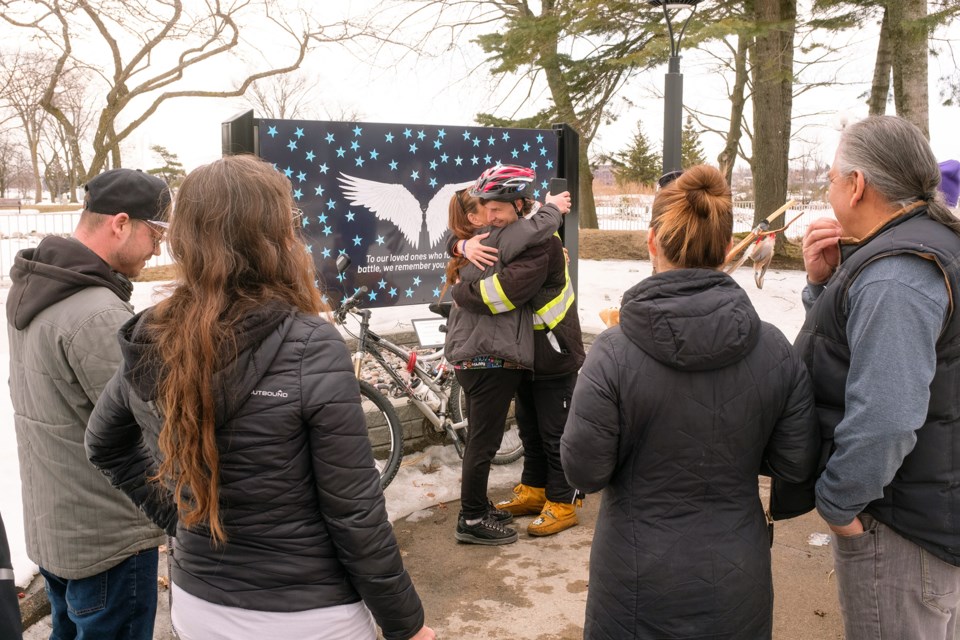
<point>442,91</point>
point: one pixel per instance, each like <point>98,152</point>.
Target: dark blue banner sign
<point>380,193</point>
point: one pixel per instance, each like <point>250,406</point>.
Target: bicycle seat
<point>441,308</point>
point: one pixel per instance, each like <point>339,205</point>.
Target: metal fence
<point>27,228</point>
<point>632,213</point>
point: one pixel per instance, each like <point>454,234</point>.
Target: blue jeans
<point>118,604</point>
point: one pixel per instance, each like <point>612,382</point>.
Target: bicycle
<point>441,400</point>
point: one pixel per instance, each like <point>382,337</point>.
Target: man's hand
<point>479,254</point>
<point>852,529</point>
<point>821,249</point>
<point>560,201</point>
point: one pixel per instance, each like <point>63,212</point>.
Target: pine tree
<point>691,151</point>
<point>172,170</point>
<point>638,162</point>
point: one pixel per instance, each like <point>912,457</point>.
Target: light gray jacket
<point>63,313</point>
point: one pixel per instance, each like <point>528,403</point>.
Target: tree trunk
<point>911,90</point>
<point>586,204</point>
<point>772,69</point>
<point>880,89</point>
<point>549,60</point>
<point>35,165</point>
<point>728,157</point>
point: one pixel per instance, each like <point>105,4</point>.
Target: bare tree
<point>23,77</point>
<point>288,97</point>
<point>150,51</point>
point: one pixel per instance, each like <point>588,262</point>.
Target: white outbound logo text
<point>279,393</point>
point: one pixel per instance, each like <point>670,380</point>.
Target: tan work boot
<point>555,517</point>
<point>526,501</point>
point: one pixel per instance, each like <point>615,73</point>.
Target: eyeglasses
<point>157,231</point>
<point>297,215</point>
<point>833,179</point>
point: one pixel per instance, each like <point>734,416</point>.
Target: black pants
<point>9,603</point>
<point>542,407</point>
<point>489,392</point>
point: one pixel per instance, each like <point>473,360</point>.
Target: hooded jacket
<point>675,413</point>
<point>300,498</point>
<point>63,312</point>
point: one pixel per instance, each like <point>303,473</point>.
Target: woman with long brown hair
<point>235,423</point>
<point>676,411</point>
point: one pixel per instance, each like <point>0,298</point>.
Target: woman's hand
<point>560,201</point>
<point>821,249</point>
<point>479,254</point>
<point>425,633</point>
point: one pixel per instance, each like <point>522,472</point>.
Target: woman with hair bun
<point>677,410</point>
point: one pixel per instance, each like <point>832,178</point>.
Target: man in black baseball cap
<point>138,194</point>
<point>68,299</point>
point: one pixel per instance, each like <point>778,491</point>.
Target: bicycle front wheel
<point>385,431</point>
<point>511,447</point>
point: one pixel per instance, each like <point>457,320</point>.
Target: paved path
<point>536,589</point>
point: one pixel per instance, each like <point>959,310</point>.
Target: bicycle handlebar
<point>350,302</point>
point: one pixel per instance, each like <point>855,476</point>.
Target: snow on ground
<point>432,476</point>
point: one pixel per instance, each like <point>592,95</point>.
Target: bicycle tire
<point>385,431</point>
<point>511,447</point>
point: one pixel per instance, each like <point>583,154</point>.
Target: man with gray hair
<point>96,551</point>
<point>882,343</point>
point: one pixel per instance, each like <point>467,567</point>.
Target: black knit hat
<point>138,194</point>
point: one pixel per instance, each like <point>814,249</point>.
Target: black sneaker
<point>488,531</point>
<point>501,516</point>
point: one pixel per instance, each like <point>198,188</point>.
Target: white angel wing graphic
<point>438,217</point>
<point>390,202</point>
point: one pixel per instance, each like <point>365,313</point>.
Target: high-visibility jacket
<point>508,334</point>
<point>557,338</point>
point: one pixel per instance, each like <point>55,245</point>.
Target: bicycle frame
<point>370,342</point>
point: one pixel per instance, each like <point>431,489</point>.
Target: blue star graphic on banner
<point>396,241</point>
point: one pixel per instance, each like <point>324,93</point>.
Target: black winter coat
<point>676,412</point>
<point>300,498</point>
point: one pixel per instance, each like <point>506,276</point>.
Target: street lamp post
<point>673,87</point>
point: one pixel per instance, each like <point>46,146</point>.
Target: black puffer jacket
<point>300,498</point>
<point>675,413</point>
